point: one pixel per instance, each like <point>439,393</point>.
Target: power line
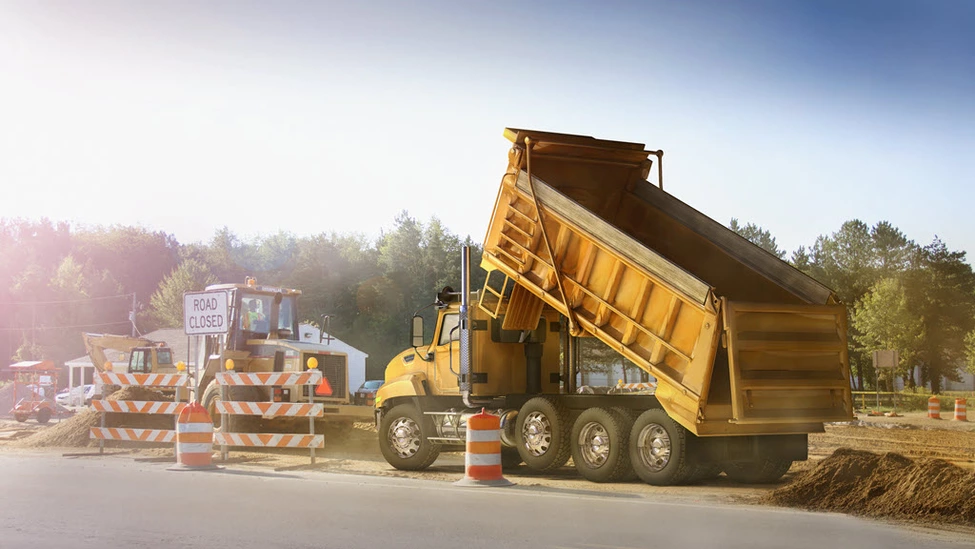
<point>64,327</point>
<point>67,300</point>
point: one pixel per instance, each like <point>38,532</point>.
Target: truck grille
<point>335,369</point>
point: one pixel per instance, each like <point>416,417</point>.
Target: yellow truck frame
<point>749,354</point>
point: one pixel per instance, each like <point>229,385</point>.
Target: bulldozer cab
<point>260,313</point>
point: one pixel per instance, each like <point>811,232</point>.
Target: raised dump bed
<point>739,341</point>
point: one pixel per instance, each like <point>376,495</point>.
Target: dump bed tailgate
<point>788,363</point>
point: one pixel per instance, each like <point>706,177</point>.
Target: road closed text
<point>205,313</point>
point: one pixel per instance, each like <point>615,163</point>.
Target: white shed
<point>357,358</point>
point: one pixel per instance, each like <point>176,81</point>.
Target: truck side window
<point>449,323</point>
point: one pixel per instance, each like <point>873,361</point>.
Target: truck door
<point>447,353</point>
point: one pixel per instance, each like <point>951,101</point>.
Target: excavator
<point>145,356</point>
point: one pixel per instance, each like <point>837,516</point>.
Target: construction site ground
<point>936,443</point>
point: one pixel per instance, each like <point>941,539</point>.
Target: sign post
<point>886,360</point>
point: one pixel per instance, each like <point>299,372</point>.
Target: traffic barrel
<point>961,409</point>
<point>934,408</point>
<point>482,461</point>
<point>194,440</point>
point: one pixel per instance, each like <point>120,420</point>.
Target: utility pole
<point>132,316</point>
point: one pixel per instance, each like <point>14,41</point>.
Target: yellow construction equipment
<point>144,356</point>
<point>749,353</point>
<point>262,336</point>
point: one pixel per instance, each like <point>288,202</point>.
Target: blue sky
<point>307,118</point>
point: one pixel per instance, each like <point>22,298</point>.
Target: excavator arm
<point>97,344</point>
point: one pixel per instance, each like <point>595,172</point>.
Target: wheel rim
<point>594,444</point>
<point>404,437</point>
<point>538,433</point>
<point>654,447</point>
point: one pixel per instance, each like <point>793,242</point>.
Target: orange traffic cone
<point>482,462</point>
<point>194,440</point>
<point>961,409</point>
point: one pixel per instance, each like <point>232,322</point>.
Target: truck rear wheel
<point>763,471</point>
<point>543,435</point>
<point>629,416</point>
<point>658,449</point>
<point>599,445</point>
<point>403,441</point>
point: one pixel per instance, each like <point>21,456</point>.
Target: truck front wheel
<point>658,449</point>
<point>543,435</point>
<point>402,440</point>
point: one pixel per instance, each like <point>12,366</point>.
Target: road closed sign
<point>204,313</point>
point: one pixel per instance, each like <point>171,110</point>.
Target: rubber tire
<point>629,416</point>
<point>764,471</point>
<point>510,458</point>
<point>560,448</point>
<point>43,416</point>
<point>425,455</point>
<point>617,463</point>
<point>20,418</point>
<point>235,423</point>
<point>678,470</point>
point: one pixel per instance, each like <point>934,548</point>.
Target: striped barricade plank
<point>268,440</point>
<point>269,378</point>
<point>636,386</point>
<point>270,409</point>
<point>137,435</point>
<point>137,406</point>
<point>144,380</point>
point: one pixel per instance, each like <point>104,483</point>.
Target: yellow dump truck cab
<point>749,354</point>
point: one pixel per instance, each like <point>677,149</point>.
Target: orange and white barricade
<point>310,410</point>
<point>102,433</point>
<point>934,408</point>
<point>961,409</point>
<point>482,461</point>
<point>194,440</point>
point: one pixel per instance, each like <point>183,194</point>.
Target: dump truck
<point>262,336</point>
<point>749,354</point>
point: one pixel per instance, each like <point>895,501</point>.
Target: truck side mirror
<point>416,331</point>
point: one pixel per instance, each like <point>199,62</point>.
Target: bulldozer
<point>262,336</point>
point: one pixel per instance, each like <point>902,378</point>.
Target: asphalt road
<point>115,502</point>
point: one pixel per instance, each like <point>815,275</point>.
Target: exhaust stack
<point>465,325</point>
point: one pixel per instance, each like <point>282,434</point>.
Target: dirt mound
<point>74,432</point>
<point>888,485</point>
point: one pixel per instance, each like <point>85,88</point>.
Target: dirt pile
<point>73,432</point>
<point>888,485</point>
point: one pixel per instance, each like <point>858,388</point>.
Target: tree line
<point>57,281</point>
